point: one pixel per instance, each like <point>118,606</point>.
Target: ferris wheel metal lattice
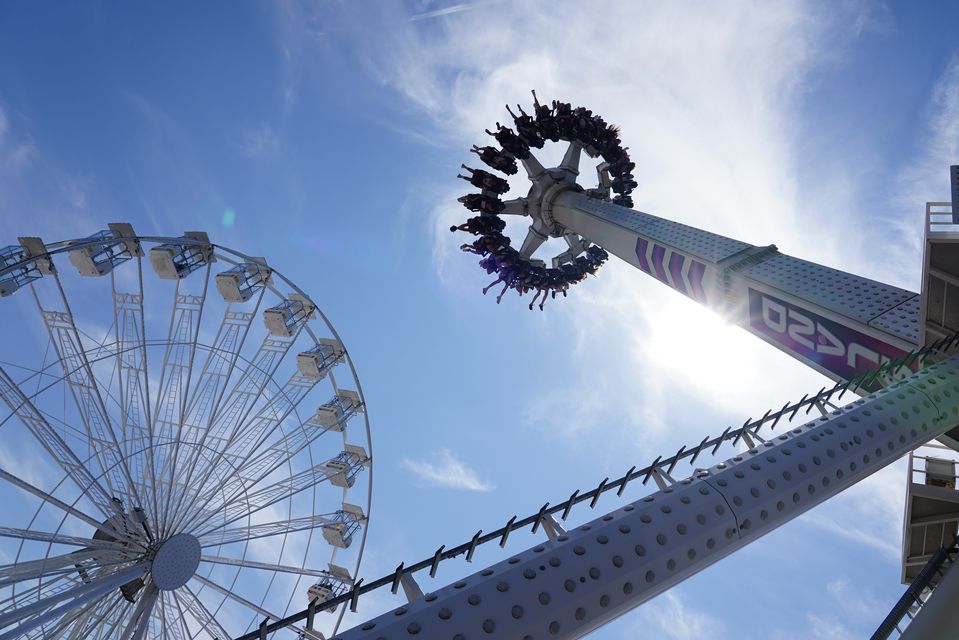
<point>172,467</point>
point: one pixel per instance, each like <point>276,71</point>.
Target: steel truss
<point>149,447</point>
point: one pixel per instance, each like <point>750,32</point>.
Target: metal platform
<point>940,273</point>
<point>932,506</point>
<point>939,307</point>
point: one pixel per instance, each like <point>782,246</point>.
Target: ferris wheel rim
<point>234,257</point>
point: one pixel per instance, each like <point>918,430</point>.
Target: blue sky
<point>327,137</point>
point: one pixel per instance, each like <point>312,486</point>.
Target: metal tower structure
<point>894,348</point>
<point>190,446</point>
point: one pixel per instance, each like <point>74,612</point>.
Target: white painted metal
<point>938,617</point>
<point>835,322</point>
<point>241,283</point>
<point>177,260</point>
<point>939,311</point>
<point>569,586</point>
<point>170,443</point>
<point>931,512</point>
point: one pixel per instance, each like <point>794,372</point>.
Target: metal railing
<point>932,467</point>
<point>939,220</point>
<point>660,470</point>
<point>912,599</point>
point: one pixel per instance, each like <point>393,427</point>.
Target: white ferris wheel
<point>184,447</point>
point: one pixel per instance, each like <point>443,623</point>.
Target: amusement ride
<point>168,464</point>
<point>194,442</point>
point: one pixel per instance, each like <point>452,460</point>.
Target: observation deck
<point>932,506</point>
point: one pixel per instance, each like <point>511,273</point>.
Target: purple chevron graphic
<point>641,246</point>
<point>659,252</point>
<point>676,271</point>
<point>666,265</point>
<point>696,272</point>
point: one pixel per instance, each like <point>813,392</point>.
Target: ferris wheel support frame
<point>74,607</point>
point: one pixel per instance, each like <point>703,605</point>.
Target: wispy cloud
<point>447,471</point>
<point>725,112</point>
<point>854,612</point>
<point>869,513</point>
<point>258,141</point>
<point>37,194</point>
<point>446,11</point>
<point>924,177</point>
<point>673,619</point>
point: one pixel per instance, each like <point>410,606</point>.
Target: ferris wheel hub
<point>176,561</point>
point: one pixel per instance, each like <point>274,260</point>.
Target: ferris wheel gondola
<point>190,470</point>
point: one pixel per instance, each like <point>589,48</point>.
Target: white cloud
<point>709,99</point>
<point>940,146</point>
<point>26,465</point>
<point>40,195</point>
<point>868,513</point>
<point>712,130</point>
<point>669,617</point>
<point>445,11</point>
<point>447,471</point>
<point>823,626</point>
<point>852,611</point>
<point>258,141</point>
<point>923,178</point>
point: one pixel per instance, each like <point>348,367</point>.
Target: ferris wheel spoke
<point>105,624</point>
<point>85,390</point>
<point>105,527</point>
<point>178,615</point>
<point>221,362</point>
<point>140,619</point>
<point>51,631</point>
<point>87,559</point>
<point>255,470</point>
<point>51,441</point>
<point>170,622</point>
<point>169,408</point>
<point>265,566</point>
<point>77,621</point>
<point>50,586</point>
<point>41,611</point>
<point>216,537</point>
<point>266,462</point>
<point>254,608</point>
<point>244,505</point>
<point>59,538</point>
<point>340,471</point>
<point>234,413</point>
<point>133,380</point>
<point>252,436</point>
<point>211,387</point>
<point>189,600</point>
